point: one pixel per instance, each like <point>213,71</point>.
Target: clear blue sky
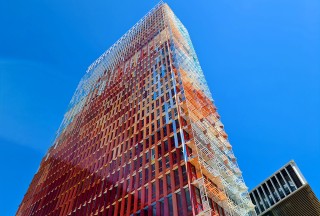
<point>260,58</point>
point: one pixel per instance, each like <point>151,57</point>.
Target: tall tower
<point>141,136</point>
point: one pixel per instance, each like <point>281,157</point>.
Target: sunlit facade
<point>141,136</point>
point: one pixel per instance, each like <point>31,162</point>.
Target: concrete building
<point>285,193</point>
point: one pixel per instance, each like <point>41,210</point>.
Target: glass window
<point>189,205</point>
<point>147,157</point>
<point>283,184</point>
<point>170,204</point>
<point>168,177</point>
<point>146,194</point>
<point>164,119</point>
<point>125,204</point>
<point>198,199</point>
<point>163,108</point>
<point>152,136</point>
<point>132,203</point>
<point>174,157</point>
<point>133,182</point>
<point>274,192</point>
<point>176,177</point>
<point>145,211</point>
<point>294,176</point>
<point>164,131</point>
<point>146,175</point>
<point>179,138</point>
<point>254,203</point>
<point>153,170</point>
<point>154,210</point>
<point>279,189</point>
<point>139,198</point>
<point>140,178</point>
<point>167,161</point>
<point>152,154</point>
<point>266,190</point>
<point>160,165</point>
<point>161,207</point>
<point>179,202</point>
<point>161,186</point>
<point>153,185</point>
<point>166,147</point>
<point>159,151</point>
<point>177,122</point>
<point>260,203</point>
<point>263,197</point>
<point>288,180</point>
<point>181,153</point>
<point>184,174</point>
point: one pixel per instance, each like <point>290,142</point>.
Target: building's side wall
<point>303,202</point>
<point>208,153</point>
<point>282,185</point>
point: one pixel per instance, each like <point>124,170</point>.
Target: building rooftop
<point>286,192</point>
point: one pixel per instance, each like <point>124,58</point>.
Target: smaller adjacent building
<point>285,193</point>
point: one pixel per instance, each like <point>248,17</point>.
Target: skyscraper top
<point>121,43</point>
<point>118,54</point>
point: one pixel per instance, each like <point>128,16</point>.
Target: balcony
<point>212,191</point>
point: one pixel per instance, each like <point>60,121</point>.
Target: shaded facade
<point>285,193</point>
<point>141,136</point>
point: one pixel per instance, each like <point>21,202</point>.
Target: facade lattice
<point>141,136</point>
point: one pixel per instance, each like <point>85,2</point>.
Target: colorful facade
<point>141,136</point>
